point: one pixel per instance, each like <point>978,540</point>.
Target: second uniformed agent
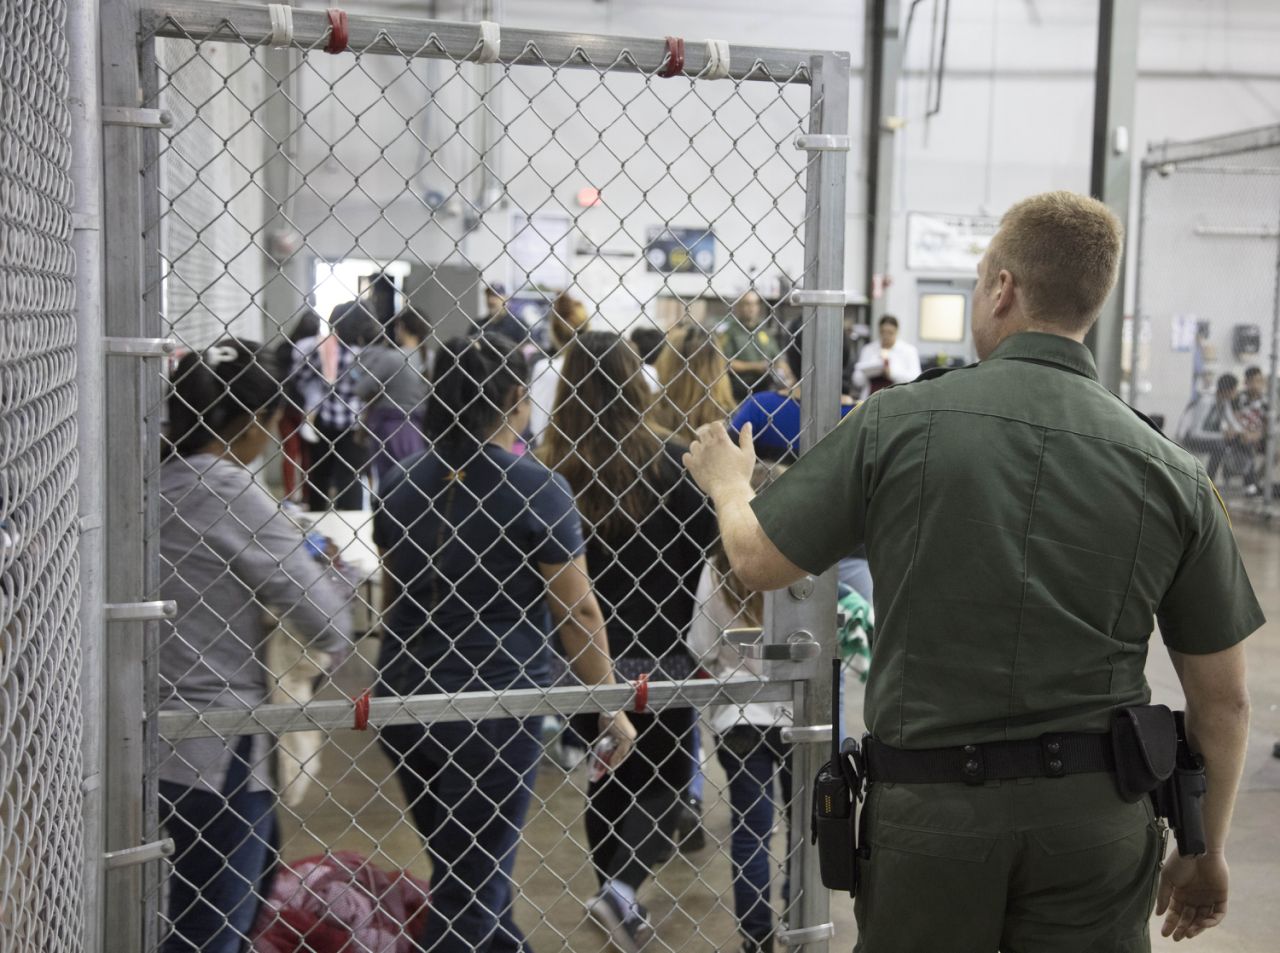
<point>1025,529</point>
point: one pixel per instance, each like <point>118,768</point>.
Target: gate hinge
<point>139,611</point>
<point>136,116</point>
<point>140,347</point>
<point>806,734</point>
<point>816,142</point>
<point>803,298</point>
<point>114,859</point>
<point>807,935</point>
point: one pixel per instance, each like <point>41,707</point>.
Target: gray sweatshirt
<point>391,374</point>
<point>227,554</point>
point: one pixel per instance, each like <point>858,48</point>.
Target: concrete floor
<point>690,900</point>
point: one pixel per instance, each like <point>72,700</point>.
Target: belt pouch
<point>1144,740</point>
<point>834,827</point>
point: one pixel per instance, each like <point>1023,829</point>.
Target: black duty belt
<point>1049,756</point>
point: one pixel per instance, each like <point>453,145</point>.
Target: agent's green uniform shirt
<point>1024,527</point>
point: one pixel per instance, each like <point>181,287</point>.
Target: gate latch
<point>798,647</point>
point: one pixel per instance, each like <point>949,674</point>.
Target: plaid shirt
<point>336,404</point>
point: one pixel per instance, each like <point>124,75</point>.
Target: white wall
<point>1018,100</point>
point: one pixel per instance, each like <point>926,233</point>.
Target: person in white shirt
<point>566,318</point>
<point>884,362</point>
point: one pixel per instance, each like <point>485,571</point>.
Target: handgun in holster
<point>1180,799</point>
<point>837,789</point>
<point>1154,759</point>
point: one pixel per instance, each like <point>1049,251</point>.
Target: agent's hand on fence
<point>716,463</point>
<point>619,727</point>
<point>1193,895</point>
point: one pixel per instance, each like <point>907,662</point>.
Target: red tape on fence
<point>674,64</point>
<point>362,711</point>
<point>642,693</point>
<point>339,34</point>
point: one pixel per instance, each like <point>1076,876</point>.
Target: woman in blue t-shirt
<point>483,554</point>
<point>774,415</point>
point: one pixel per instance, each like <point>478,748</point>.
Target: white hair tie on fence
<point>490,42</point>
<point>281,24</point>
<point>717,60</point>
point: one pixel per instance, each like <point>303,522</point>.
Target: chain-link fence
<point>449,302</point>
<point>1208,303</point>
<point>41,800</point>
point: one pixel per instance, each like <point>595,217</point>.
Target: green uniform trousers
<point>1037,865</point>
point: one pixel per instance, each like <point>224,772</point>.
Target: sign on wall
<point>951,243</point>
<point>671,250</point>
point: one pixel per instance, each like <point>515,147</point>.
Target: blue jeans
<point>223,846</point>
<point>752,757</point>
<point>468,786</point>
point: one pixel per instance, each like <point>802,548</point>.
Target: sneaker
<point>689,834</point>
<point>630,931</point>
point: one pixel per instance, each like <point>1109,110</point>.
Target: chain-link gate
<point>1208,304</point>
<point>41,798</point>
<point>490,508</point>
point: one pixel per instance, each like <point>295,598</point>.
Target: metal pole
<point>1135,338</point>
<point>804,607</point>
<point>1269,425</point>
<point>883,59</point>
<point>147,458</point>
<point>124,524</point>
<point>1110,175</point>
<point>86,172</point>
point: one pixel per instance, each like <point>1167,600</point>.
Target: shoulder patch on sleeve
<point>1218,496</point>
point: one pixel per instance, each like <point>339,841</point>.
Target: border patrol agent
<point>1024,527</point>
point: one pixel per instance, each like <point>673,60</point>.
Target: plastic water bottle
<point>601,758</point>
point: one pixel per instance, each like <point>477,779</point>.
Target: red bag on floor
<point>340,903</point>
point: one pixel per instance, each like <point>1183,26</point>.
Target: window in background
<point>942,317</point>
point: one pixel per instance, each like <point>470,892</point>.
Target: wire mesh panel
<point>41,802</point>
<point>451,641</point>
<point>1209,281</point>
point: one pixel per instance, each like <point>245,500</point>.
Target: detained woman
<point>227,556</point>
<point>648,532</point>
<point>483,555</point>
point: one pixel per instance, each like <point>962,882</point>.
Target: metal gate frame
<point>132,281</point>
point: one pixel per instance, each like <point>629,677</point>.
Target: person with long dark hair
<point>227,555</point>
<point>649,529</point>
<point>483,553</point>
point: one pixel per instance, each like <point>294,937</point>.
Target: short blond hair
<point>1063,250</point>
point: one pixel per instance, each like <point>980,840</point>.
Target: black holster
<point>1180,799</point>
<point>1154,759</point>
<point>837,789</point>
